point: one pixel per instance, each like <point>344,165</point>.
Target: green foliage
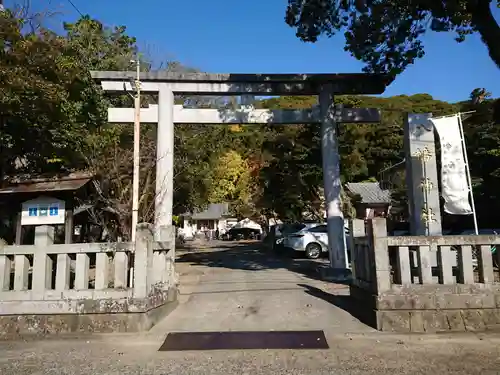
<point>231,182</point>
<point>100,47</point>
<point>292,177</point>
<point>387,34</point>
<point>482,134</point>
<point>40,96</point>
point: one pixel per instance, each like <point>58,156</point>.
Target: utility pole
<point>137,137</point>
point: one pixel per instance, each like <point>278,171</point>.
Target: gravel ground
<point>217,291</point>
<point>349,354</point>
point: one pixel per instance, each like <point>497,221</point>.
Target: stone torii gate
<point>166,114</point>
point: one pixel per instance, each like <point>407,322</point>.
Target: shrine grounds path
<point>237,286</point>
<point>228,286</point>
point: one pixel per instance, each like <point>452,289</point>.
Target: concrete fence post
<point>356,230</point>
<point>380,255</point>
<point>102,271</point>
<point>143,260</point>
<point>5,269</point>
<point>42,263</point>
<point>44,235</point>
<point>165,270</point>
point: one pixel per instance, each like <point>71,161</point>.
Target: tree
<point>482,138</point>
<point>231,182</point>
<point>196,147</point>
<point>109,157</point>
<point>386,34</point>
<point>100,47</point>
<point>47,93</point>
<point>292,177</point>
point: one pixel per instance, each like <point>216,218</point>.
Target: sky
<point>227,36</point>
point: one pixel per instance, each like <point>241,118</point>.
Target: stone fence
<point>424,283</point>
<point>86,287</point>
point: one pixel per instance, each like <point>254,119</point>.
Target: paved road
<point>358,354</point>
<point>238,288</point>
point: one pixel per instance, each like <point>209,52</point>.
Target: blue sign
<point>54,210</point>
<point>33,211</point>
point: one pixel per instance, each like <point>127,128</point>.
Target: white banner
<point>454,186</point>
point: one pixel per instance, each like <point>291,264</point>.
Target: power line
<point>74,7</point>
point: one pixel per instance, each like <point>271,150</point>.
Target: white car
<point>285,229</point>
<point>313,241</point>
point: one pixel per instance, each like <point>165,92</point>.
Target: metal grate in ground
<point>240,340</point>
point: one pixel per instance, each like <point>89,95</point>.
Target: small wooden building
<point>28,202</point>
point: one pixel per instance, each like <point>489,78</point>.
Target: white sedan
<point>313,241</point>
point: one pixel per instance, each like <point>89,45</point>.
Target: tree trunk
<point>487,26</point>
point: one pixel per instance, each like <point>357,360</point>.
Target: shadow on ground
<point>251,257</point>
<point>254,257</point>
<point>345,302</point>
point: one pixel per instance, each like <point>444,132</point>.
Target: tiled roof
<point>370,192</point>
<point>213,211</point>
<point>71,182</point>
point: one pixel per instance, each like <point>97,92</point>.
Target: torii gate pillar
<point>331,179</point>
<point>164,163</point>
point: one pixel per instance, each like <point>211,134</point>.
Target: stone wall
<point>47,288</point>
<point>393,294</point>
<point>102,316</point>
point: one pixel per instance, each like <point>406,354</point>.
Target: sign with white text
<point>43,211</point>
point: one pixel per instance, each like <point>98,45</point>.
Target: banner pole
<point>467,170</point>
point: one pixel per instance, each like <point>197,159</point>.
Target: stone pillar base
<point>337,275</point>
<point>87,316</point>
